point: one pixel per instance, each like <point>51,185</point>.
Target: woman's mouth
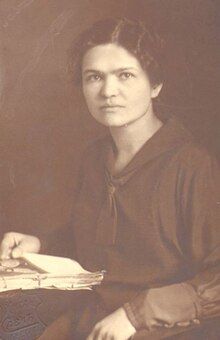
<point>110,107</point>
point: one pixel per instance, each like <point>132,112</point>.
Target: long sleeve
<point>205,237</point>
<point>199,297</point>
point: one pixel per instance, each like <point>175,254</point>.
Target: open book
<point>34,271</point>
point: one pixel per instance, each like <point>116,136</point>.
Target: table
<point>24,315</point>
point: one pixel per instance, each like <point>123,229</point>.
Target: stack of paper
<point>43,271</point>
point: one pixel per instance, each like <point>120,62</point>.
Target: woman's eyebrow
<point>121,69</point>
<point>92,71</point>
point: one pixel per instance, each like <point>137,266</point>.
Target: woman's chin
<point>111,123</point>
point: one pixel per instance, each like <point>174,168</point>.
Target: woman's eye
<point>126,75</point>
<point>93,78</point>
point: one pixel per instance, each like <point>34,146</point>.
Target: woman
<point>147,208</point>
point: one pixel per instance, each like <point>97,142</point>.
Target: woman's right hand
<point>15,244</point>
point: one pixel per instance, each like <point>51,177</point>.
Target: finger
<point>154,323</point>
<point>168,325</point>
<point>104,336</point>
<point>26,245</point>
<point>92,335</point>
<point>30,244</point>
<point>17,252</point>
<point>97,334</point>
<point>6,246</point>
<point>112,337</point>
<point>196,321</point>
<point>183,323</point>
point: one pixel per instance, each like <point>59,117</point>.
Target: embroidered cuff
<point>164,306</point>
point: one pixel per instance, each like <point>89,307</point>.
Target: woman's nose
<point>109,87</point>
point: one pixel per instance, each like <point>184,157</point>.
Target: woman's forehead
<point>109,56</point>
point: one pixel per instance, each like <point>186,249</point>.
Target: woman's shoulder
<point>195,156</point>
<point>187,149</point>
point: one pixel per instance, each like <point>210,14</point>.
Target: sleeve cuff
<point>194,298</point>
<point>131,316</point>
<point>143,314</point>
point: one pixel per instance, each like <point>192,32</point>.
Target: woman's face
<point>116,88</point>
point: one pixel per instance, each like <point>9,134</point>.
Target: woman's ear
<point>156,90</point>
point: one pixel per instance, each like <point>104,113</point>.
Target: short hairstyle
<point>144,43</point>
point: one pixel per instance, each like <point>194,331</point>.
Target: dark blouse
<point>156,224</point>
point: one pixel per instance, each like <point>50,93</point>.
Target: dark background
<point>44,123</point>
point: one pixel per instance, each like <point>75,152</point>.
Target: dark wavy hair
<point>142,42</point>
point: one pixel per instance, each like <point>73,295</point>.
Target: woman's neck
<point>130,138</point>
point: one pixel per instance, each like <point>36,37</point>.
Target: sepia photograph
<point>109,170</point>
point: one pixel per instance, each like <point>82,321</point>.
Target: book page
<point>54,264</point>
